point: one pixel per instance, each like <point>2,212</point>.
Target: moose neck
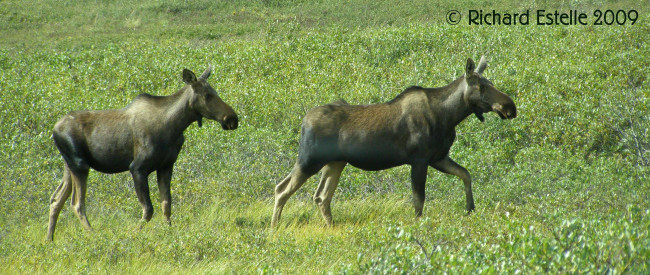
<point>454,108</point>
<point>178,114</point>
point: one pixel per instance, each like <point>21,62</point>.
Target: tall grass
<point>563,188</point>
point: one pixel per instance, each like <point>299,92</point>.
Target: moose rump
<point>416,128</point>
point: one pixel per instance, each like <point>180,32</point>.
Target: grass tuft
<point>563,188</point>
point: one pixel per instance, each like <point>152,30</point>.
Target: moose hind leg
<point>57,201</point>
<point>285,189</point>
<point>80,185</point>
<point>448,166</point>
<point>326,187</point>
<point>164,177</point>
<point>279,204</point>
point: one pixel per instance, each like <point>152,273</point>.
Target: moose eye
<point>208,96</point>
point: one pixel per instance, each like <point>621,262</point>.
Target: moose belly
<point>110,163</point>
<point>375,158</point>
<point>110,156</point>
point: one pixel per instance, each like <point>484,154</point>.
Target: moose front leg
<point>448,166</point>
<point>418,181</point>
<point>164,177</point>
<point>141,185</point>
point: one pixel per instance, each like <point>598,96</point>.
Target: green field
<point>563,188</point>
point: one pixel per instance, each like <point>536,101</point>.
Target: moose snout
<point>230,122</point>
<point>510,111</point>
<point>505,111</point>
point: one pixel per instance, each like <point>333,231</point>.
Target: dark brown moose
<point>416,128</point>
<point>143,137</point>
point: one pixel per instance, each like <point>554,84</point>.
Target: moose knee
<point>464,175</point>
<point>78,209</point>
<point>318,200</point>
<point>280,188</point>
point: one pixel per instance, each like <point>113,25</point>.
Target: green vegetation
<point>563,188</point>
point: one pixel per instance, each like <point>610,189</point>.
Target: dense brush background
<point>563,188</point>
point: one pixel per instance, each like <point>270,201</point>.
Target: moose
<point>416,128</point>
<point>143,137</point>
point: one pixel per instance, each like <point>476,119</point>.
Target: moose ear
<point>207,73</point>
<point>482,64</point>
<point>469,68</point>
<point>188,76</point>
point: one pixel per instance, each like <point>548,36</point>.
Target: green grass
<point>563,188</point>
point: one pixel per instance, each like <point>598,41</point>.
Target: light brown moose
<point>416,128</point>
<point>143,137</point>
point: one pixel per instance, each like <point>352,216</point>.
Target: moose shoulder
<point>416,128</point>
<point>143,137</point>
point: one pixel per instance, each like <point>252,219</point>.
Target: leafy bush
<point>560,189</point>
